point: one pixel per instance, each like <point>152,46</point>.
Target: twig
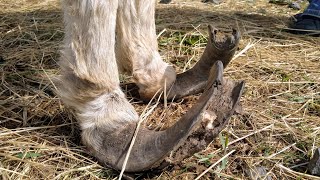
<point>292,82</point>
<point>248,46</point>
<point>213,165</point>
<point>304,105</point>
<point>14,131</point>
<point>255,132</point>
<point>77,169</point>
<point>164,30</point>
<point>272,155</point>
<point>298,173</point>
<point>142,118</point>
<point>3,169</point>
<point>298,165</point>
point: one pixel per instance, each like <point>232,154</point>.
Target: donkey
<point>103,37</point>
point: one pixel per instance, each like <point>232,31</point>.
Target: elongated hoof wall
<point>152,149</point>
<point>220,47</point>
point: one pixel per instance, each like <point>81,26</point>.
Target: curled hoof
<point>152,148</point>
<point>219,48</point>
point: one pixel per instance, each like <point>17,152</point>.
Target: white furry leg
<point>106,113</point>
<point>89,81</point>
<point>137,48</point>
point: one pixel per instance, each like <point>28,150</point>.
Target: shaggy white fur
<point>102,37</point>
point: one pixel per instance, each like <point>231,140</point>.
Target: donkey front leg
<point>137,53</point>
<point>137,47</point>
<point>89,81</point>
<point>89,84</point>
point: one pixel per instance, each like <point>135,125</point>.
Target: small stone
<point>262,11</point>
<point>295,5</point>
<point>1,60</point>
<point>212,1</point>
<point>257,173</point>
<point>314,164</point>
<point>165,1</point>
<point>280,2</point>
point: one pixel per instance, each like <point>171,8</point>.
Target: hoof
<point>151,149</point>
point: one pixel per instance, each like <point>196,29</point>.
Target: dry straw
<point>278,129</point>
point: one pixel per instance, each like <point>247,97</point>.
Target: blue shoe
<point>305,24</point>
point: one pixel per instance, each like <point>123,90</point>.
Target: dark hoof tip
<point>223,40</point>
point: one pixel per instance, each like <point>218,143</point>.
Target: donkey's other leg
<point>137,52</point>
<point>89,81</point>
<point>137,48</point>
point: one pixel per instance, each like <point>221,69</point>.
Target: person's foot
<point>305,24</point>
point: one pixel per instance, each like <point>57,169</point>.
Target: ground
<point>278,129</point>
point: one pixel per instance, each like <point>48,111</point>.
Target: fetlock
<point>153,80</point>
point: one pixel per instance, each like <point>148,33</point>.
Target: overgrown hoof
<point>152,148</point>
<point>220,47</point>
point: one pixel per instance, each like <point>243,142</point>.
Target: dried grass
<point>279,128</point>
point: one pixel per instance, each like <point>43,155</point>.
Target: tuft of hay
<point>278,129</point>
